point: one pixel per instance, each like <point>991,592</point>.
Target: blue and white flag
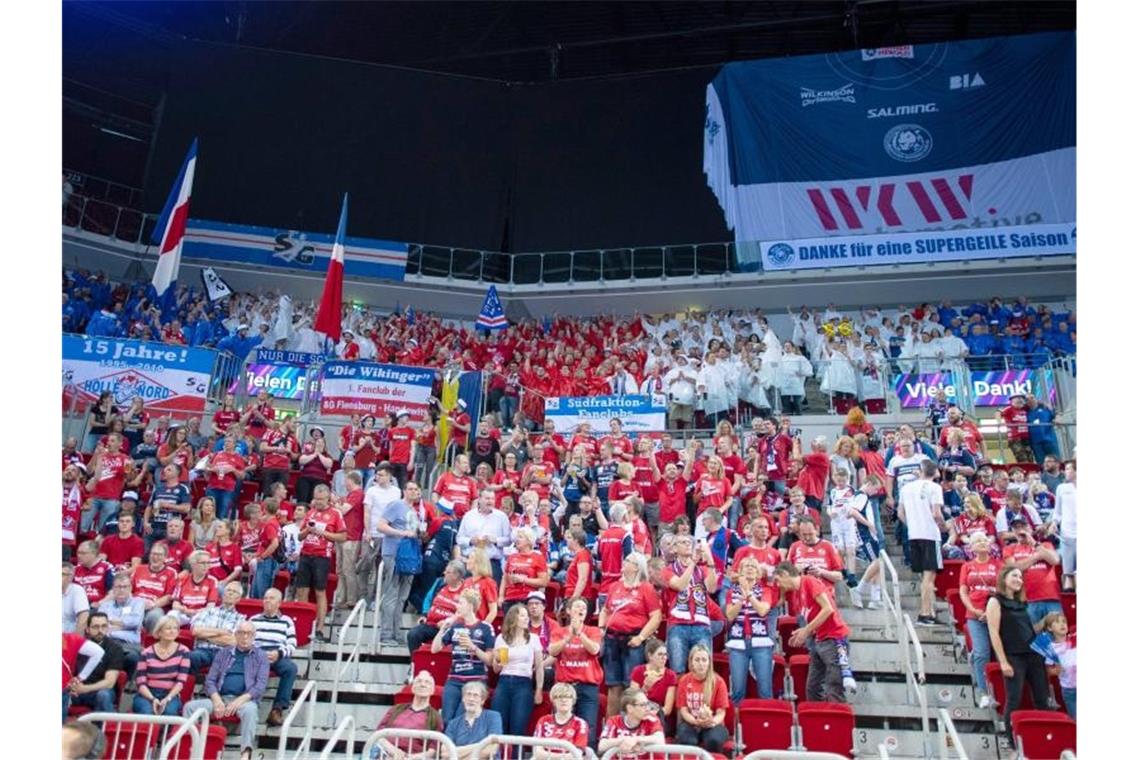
<point>411,316</point>
<point>491,316</point>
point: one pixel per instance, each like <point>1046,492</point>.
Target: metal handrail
<point>892,605</point>
<point>346,726</point>
<point>442,742</point>
<point>185,726</point>
<point>676,750</point>
<point>563,747</point>
<point>946,729</point>
<point>784,754</point>
<point>308,700</point>
<point>342,662</point>
<point>917,679</point>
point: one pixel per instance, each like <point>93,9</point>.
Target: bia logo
<point>966,81</point>
<point>876,204</point>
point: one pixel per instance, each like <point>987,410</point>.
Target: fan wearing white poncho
<point>792,370</point>
<point>681,389</point>
<point>713,397</point>
<point>837,371</point>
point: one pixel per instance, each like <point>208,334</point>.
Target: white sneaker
<point>984,701</point>
<point>874,604</point>
<point>850,686</point>
<point>856,597</point>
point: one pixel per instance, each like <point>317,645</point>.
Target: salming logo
<point>936,199</point>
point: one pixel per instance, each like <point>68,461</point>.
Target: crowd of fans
<point>603,569</point>
<point>710,365</point>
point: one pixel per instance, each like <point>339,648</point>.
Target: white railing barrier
<point>425,745</point>
<point>308,701</point>
<point>892,606</point>
<point>916,677</point>
<point>158,726</point>
<point>659,750</point>
<point>562,749</point>
<point>347,731</point>
<point>353,658</point>
<point>946,730</point>
<point>376,606</point>
<point>883,753</point>
<point>1068,755</point>
<point>784,754</point>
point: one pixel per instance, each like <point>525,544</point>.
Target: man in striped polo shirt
<point>276,635</point>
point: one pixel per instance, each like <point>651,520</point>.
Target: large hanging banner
<point>637,413</point>
<point>362,388</point>
<point>292,249</point>
<point>280,380</point>
<point>948,136</point>
<point>987,388</point>
<point>170,379</point>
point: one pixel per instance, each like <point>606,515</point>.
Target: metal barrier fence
<point>549,748</point>
<point>376,607</point>
<point>425,745</point>
<point>343,662</point>
<point>138,735</point>
<point>948,738</point>
<point>346,730</point>
<point>308,702</point>
<point>657,751</point>
<point>916,677</point>
<point>784,754</point>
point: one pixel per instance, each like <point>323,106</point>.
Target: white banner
<point>637,413</point>
<point>919,247</point>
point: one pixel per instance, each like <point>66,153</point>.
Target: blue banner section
<point>292,249</point>
<point>638,413</point>
<point>295,358</point>
<point>920,247</point>
<point>113,352</point>
<point>280,380</point>
<point>867,113</point>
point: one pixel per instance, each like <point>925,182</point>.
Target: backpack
<point>409,559</point>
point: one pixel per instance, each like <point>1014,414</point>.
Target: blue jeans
<point>1042,449</point>
<point>514,702</point>
<point>263,577</point>
<point>99,701</point>
<point>586,708</point>
<point>760,658</point>
<point>1038,610</point>
<point>201,658</point>
<point>680,639</point>
<point>66,704</point>
<point>877,502</point>
<point>980,653</point>
<point>452,700</point>
<point>141,706</point>
<point>101,511</point>
<point>223,501</point>
<point>508,407</point>
<point>286,670</point>
<point>1070,697</point>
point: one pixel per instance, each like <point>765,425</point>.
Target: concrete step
<point>907,743</point>
<point>884,657</point>
<point>391,673</point>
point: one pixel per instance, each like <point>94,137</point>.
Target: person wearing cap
<point>401,447</point>
<point>459,427</point>
<point>128,505</point>
<point>348,350</point>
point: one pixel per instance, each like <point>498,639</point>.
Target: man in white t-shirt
<point>1065,520</point>
<point>379,495</point>
<point>920,508</point>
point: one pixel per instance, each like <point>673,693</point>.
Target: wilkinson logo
<point>899,51</point>
<point>844,94</point>
<point>874,205</point>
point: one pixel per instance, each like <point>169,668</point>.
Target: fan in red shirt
<point>645,473</point>
<point>458,426</point>
<point>584,437</point>
<point>977,581</point>
<point>93,575</point>
<point>177,451</point>
<point>1036,562</point>
<point>622,446</point>
<point>225,555</point>
<point>258,416</point>
<point>196,589</point>
<point>671,494</point>
<point>443,605</point>
<point>538,476</point>
<point>524,570</point>
<point>814,556</point>
<point>829,656</point>
<point>955,420</point>
<point>713,491</point>
<point>580,574</point>
<point>401,445</point>
<point>614,543</point>
<point>177,548</point>
<point>347,434</point>
<point>126,549</point>
<point>323,526</point>
<point>1016,419</point>
<point>758,548</point>
<point>507,481</point>
<point>154,583</point>
<point>109,469</point>
<point>635,726</point>
<point>774,447</point>
<point>554,446</point>
<point>72,506</point>
<point>457,487</point>
<point>816,467</point>
<point>279,450</point>
<point>623,485</point>
<point>225,417</point>
<point>576,649</point>
<point>562,724</point>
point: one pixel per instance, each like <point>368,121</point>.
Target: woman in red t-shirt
<point>632,613</point>
<point>225,555</point>
<point>623,486</point>
<point>713,490</point>
<point>977,582</point>
<point>580,574</point>
<point>702,700</point>
<point>225,416</point>
<point>177,450</point>
<point>507,481</point>
<point>523,572</point>
<point>975,518</point>
<point>657,681</point>
<point>483,580</point>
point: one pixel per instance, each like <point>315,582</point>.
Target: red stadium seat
<point>188,688</point>
<point>304,617</point>
<point>997,687</point>
<point>281,581</point>
<point>798,664</point>
<point>215,745</point>
<point>765,724</point>
<point>779,665</point>
<point>1043,734</point>
<point>720,665</point>
<point>827,727</point>
<point>553,595</point>
<point>129,741</point>
<point>438,664</point>
<point>1069,606</point>
<point>785,624</point>
<point>947,580</point>
<point>249,607</point>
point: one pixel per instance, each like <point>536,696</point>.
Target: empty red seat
<point>304,616</point>
<point>1069,606</point>
<point>765,724</point>
<point>779,665</point>
<point>215,745</point>
<point>438,664</point>
<point>798,664</point>
<point>827,727</point>
<point>957,607</point>
<point>1043,734</point>
<point>129,741</point>
<point>947,580</point>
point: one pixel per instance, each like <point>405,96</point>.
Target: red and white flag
<point>329,311</point>
<point>171,226</point>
